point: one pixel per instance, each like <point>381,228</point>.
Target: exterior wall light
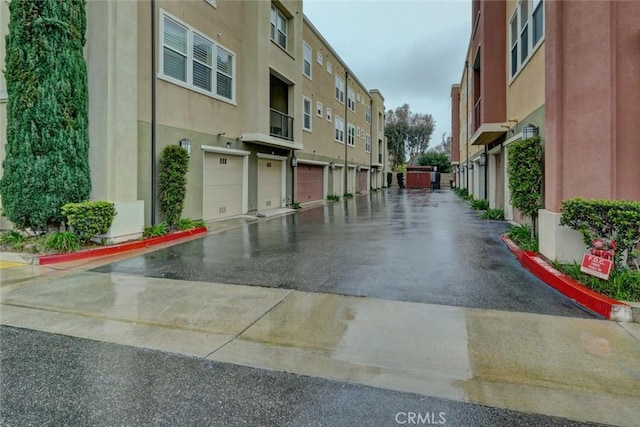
<point>185,144</point>
<point>470,166</point>
<point>294,161</point>
<point>228,144</point>
<point>529,131</point>
<point>483,159</point>
<point>332,166</point>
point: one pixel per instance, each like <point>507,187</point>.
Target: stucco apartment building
<point>267,109</point>
<point>567,71</point>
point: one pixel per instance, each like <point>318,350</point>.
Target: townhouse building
<point>567,71</point>
<point>240,85</point>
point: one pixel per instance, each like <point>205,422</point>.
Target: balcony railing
<point>477,114</point>
<point>281,125</point>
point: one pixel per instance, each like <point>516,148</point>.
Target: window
<point>187,59</point>
<point>329,114</point>
<point>351,100</point>
<point>367,114</point>
<point>380,121</point>
<point>526,30</point>
<point>306,68</point>
<point>278,27</point>
<point>367,143</point>
<point>329,68</point>
<point>306,107</point>
<point>358,131</point>
<point>339,130</point>
<point>537,21</point>
<point>351,135</point>
<point>340,89</point>
<point>319,57</point>
<point>319,109</point>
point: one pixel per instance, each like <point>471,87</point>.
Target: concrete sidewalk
<point>581,369</point>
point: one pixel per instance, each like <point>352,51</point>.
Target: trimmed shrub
<point>333,197</point>
<point>521,235</point>
<point>617,220</point>
<point>493,215</point>
<point>480,204</point>
<point>525,177</point>
<point>88,219</point>
<point>172,183</point>
<point>47,151</point>
<point>63,242</point>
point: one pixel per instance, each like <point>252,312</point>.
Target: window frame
<point>367,114</point>
<point>338,134</point>
<point>306,48</point>
<point>517,61</point>
<point>329,114</point>
<point>275,30</point>
<point>351,100</point>
<point>319,58</point>
<point>329,68</point>
<point>367,143</point>
<point>319,109</point>
<point>307,114</point>
<point>351,135</point>
<point>188,83</point>
<point>339,89</point>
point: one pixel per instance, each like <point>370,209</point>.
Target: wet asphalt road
<point>407,245</point>
<point>48,379</point>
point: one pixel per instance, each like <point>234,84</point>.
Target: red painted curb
<point>584,296</point>
<point>119,248</point>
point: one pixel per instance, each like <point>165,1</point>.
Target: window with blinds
<point>188,60</point>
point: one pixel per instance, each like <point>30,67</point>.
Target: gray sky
<point>411,50</point>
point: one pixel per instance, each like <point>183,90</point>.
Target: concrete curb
<point>608,307</point>
<point>119,248</point>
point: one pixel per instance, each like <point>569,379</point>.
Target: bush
<point>481,205</point>
<point>190,224</point>
<point>172,183</point>
<point>63,242</point>
<point>493,215</point>
<point>333,197</point>
<point>617,220</point>
<point>11,238</point>
<point>157,230</point>
<point>525,176</point>
<point>296,205</point>
<point>622,284</point>
<point>88,219</point>
<point>347,195</point>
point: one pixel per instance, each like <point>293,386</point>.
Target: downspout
<point>370,143</point>
<point>346,128</point>
<point>466,70</point>
<point>153,112</point>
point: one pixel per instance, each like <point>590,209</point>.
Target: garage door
<point>310,183</point>
<point>269,184</point>
<point>222,186</point>
<point>362,180</point>
<point>338,186</point>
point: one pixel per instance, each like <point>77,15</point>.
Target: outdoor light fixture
<point>483,159</point>
<point>529,131</point>
<point>228,145</point>
<point>332,166</point>
<point>185,143</point>
<point>457,169</point>
<point>294,161</point>
<point>373,171</point>
<point>358,169</point>
<point>470,166</point>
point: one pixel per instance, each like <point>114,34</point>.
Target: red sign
<point>596,266</point>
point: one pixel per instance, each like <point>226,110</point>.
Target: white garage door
<point>269,183</point>
<point>222,186</point>
<point>338,177</point>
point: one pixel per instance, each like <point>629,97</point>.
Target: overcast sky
<point>411,50</point>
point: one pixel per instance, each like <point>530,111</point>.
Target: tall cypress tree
<point>47,155</point>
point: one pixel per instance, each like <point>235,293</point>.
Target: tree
<point>444,146</point>
<point>47,155</point>
<point>525,177</point>
<point>408,134</point>
<point>420,130</point>
<point>172,183</point>
<point>435,158</point>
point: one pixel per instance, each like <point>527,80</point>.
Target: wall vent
<point>222,209</point>
<point>268,203</point>
<point>223,161</point>
<point>268,164</point>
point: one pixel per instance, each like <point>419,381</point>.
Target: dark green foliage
<point>63,242</point>
<point>47,152</point>
<point>434,158</point>
<point>296,205</point>
<point>618,220</point>
<point>157,230</point>
<point>525,177</point>
<point>347,195</point>
<point>190,224</point>
<point>493,215</point>
<point>462,192</point>
<point>333,197</point>
<point>480,204</point>
<point>88,219</point>
<point>172,183</point>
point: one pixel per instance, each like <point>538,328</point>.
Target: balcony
<point>281,125</point>
<point>477,115</point>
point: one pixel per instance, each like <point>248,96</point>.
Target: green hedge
<point>172,183</point>
<point>618,220</point>
<point>88,219</point>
